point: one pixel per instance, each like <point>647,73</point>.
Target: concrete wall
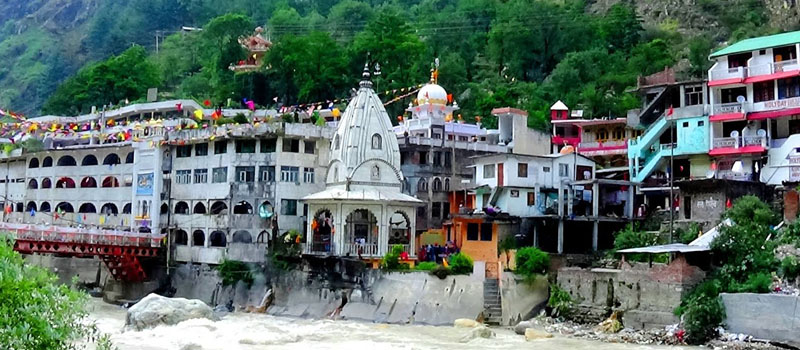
<point>65,268</point>
<point>522,300</point>
<point>766,316</point>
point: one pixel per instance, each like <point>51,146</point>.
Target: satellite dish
<point>737,167</point>
<point>740,99</point>
<point>710,174</point>
<point>761,132</point>
<point>734,133</point>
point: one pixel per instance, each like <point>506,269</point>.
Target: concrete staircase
<point>493,311</point>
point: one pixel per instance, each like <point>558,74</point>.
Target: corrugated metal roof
<point>763,42</point>
<point>666,248</point>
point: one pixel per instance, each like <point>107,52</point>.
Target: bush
<point>756,283</point>
<point>441,272</point>
<point>223,121</point>
<point>532,261</point>
<point>240,119</point>
<point>688,234</point>
<point>461,264</point>
<point>232,271</point>
<point>703,312</point>
<point>560,303</point>
<point>391,261</point>
<point>427,266</point>
<point>790,268</point>
<point>630,238</point>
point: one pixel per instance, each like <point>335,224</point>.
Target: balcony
<point>738,145</point>
<point>724,76</point>
<point>603,148</point>
<point>569,140</point>
<point>771,71</point>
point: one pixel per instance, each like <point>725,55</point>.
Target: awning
<point>726,117</point>
<point>740,150</point>
<point>725,82</point>
<point>773,76</point>
<point>666,248</point>
<point>773,114</point>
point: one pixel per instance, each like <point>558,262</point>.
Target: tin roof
<point>762,42</point>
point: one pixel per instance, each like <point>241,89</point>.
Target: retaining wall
<point>766,316</point>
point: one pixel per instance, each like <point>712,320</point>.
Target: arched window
<point>88,182</point>
<point>218,207</point>
<point>447,184</point>
<point>375,174</point>
<point>66,161</point>
<point>437,185</point>
<point>110,181</point>
<point>46,183</point>
<point>242,236</point>
<point>377,141</point>
<point>199,208</point>
<point>109,209</point>
<point>126,209</point>
<point>65,207</point>
<point>181,208</point>
<point>45,207</point>
<point>198,238</point>
<point>164,208</point>
<point>217,239</point>
<point>111,159</point>
<point>34,163</point>
<point>33,184</point>
<point>65,182</point>
<point>336,142</point>
<point>89,160</point>
<point>129,158</point>
<point>181,237</point>
<point>399,229</point>
<point>243,207</point>
<point>422,185</point>
<point>87,208</point>
<point>20,207</point>
<point>263,237</point>
<point>31,206</point>
<point>47,162</point>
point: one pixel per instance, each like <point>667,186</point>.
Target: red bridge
<point>120,251</point>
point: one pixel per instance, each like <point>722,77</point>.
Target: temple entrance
<point>321,227</point>
<point>362,233</point>
<point>400,231</point>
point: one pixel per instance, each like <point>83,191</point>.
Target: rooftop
<point>762,42</point>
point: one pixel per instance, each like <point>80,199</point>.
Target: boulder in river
<point>480,331</point>
<point>155,310</point>
<point>465,323</point>
<point>522,326</point>
<point>533,333</point>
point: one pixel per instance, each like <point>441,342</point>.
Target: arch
<point>399,228</point>
<point>109,209</point>
<point>126,209</point>
<point>447,184</point>
<point>111,159</point>
<point>422,185</point>
<point>65,182</point>
<point>87,208</point>
<point>20,207</point>
<point>31,206</point>
<point>361,227</point>
<point>217,239</point>
<point>266,210</point>
<point>397,173</point>
<point>47,162</point>
<point>437,184</point>
<point>44,207</point>
<point>34,163</point>
<point>181,237</point>
<point>164,208</point>
<point>199,208</point>
<point>66,161</point>
<point>263,237</point>
<point>181,208</point>
<point>89,160</point>
<point>88,182</point>
<point>65,207</point>
<point>129,158</point>
<point>110,181</point>
<point>33,184</point>
<point>46,183</point>
<point>243,207</point>
<point>198,238</point>
<point>322,226</point>
<point>377,141</point>
<point>242,236</point>
<point>218,208</point>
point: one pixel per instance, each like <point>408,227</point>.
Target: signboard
<point>789,102</point>
<point>152,95</point>
<point>144,185</point>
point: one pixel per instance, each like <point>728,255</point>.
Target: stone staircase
<point>493,311</point>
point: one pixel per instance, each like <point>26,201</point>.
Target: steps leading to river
<point>493,311</point>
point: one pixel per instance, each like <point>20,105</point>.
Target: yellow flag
<point>198,114</point>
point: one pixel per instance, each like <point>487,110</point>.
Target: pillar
<point>595,199</point>
<point>595,234</point>
<point>570,201</point>
<point>629,207</point>
<point>560,236</point>
<point>535,234</point>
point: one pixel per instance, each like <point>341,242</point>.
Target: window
<point>693,95</point>
<point>245,146</point>
<point>437,158</point>
<point>377,141</point>
<point>618,134</point>
<point>183,176</point>
<point>288,207</point>
<point>183,151</point>
<point>685,124</point>
<point>731,95</point>
<point>219,175</point>
<point>421,212</point>
<point>522,170</point>
<point>739,60</point>
<point>200,176</point>
<point>463,138</point>
<point>308,175</point>
<point>687,207</point>
<point>437,184</point>
<point>764,91</point>
<point>531,199</point>
<point>545,169</point>
<point>422,185</point>
<point>472,231</point>
<point>602,134</point>
<point>220,147</point>
<point>267,173</point>
<point>488,171</point>
<point>563,170</point>
<point>290,145</point>
<point>436,209</point>
<point>269,145</point>
<point>290,173</point>
<point>789,87</point>
<point>701,123</point>
<point>448,159</point>
<point>423,157</point>
<point>486,231</point>
<point>245,173</point>
<point>201,149</point>
<point>309,147</point>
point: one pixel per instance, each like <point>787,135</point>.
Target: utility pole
<point>158,32</point>
<point>671,179</point>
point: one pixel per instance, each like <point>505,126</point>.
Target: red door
<point>500,174</point>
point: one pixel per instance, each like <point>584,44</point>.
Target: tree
<point>346,17</point>
<point>222,44</point>
<point>620,28</point>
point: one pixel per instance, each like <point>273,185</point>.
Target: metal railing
<point>69,235</point>
<point>754,140</point>
<point>726,142</point>
<point>361,249</point>
<point>599,144</point>
<point>732,107</point>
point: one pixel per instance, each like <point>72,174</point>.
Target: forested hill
<point>522,53</point>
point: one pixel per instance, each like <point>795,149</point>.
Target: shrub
<point>441,272</point>
<point>756,283</point>
<point>560,303</point>
<point>531,261</point>
<point>223,121</point>
<point>240,119</point>
<point>790,268</point>
<point>630,238</point>
<point>688,234</point>
<point>232,271</point>
<point>391,261</point>
<point>426,266</point>
<point>703,312</point>
<point>461,264</point>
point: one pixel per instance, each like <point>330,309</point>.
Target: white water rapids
<point>241,331</point>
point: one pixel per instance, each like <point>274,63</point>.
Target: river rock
<point>533,334</point>
<point>522,326</point>
<point>465,323</point>
<point>480,331</point>
<point>154,310</point>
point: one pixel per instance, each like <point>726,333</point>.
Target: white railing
<point>727,73</point>
<point>357,249</point>
<point>733,107</point>
<point>784,66</point>
<point>74,235</point>
<point>771,68</point>
<point>597,144</point>
<point>726,142</point>
<point>754,141</point>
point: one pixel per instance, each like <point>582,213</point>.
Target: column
<point>560,236</point>
<point>570,196</point>
<point>535,234</point>
<point>629,207</point>
<point>595,229</point>
<point>595,199</point>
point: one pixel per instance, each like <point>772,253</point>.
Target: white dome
<point>433,94</point>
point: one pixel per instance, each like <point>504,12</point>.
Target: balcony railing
<point>597,144</point>
<point>754,141</point>
<point>728,73</point>
<point>733,107</point>
<point>772,68</point>
<point>726,142</point>
<point>356,249</point>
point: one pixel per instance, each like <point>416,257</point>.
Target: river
<point>242,331</point>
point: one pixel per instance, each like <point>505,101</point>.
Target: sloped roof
<point>365,194</point>
<point>762,42</point>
